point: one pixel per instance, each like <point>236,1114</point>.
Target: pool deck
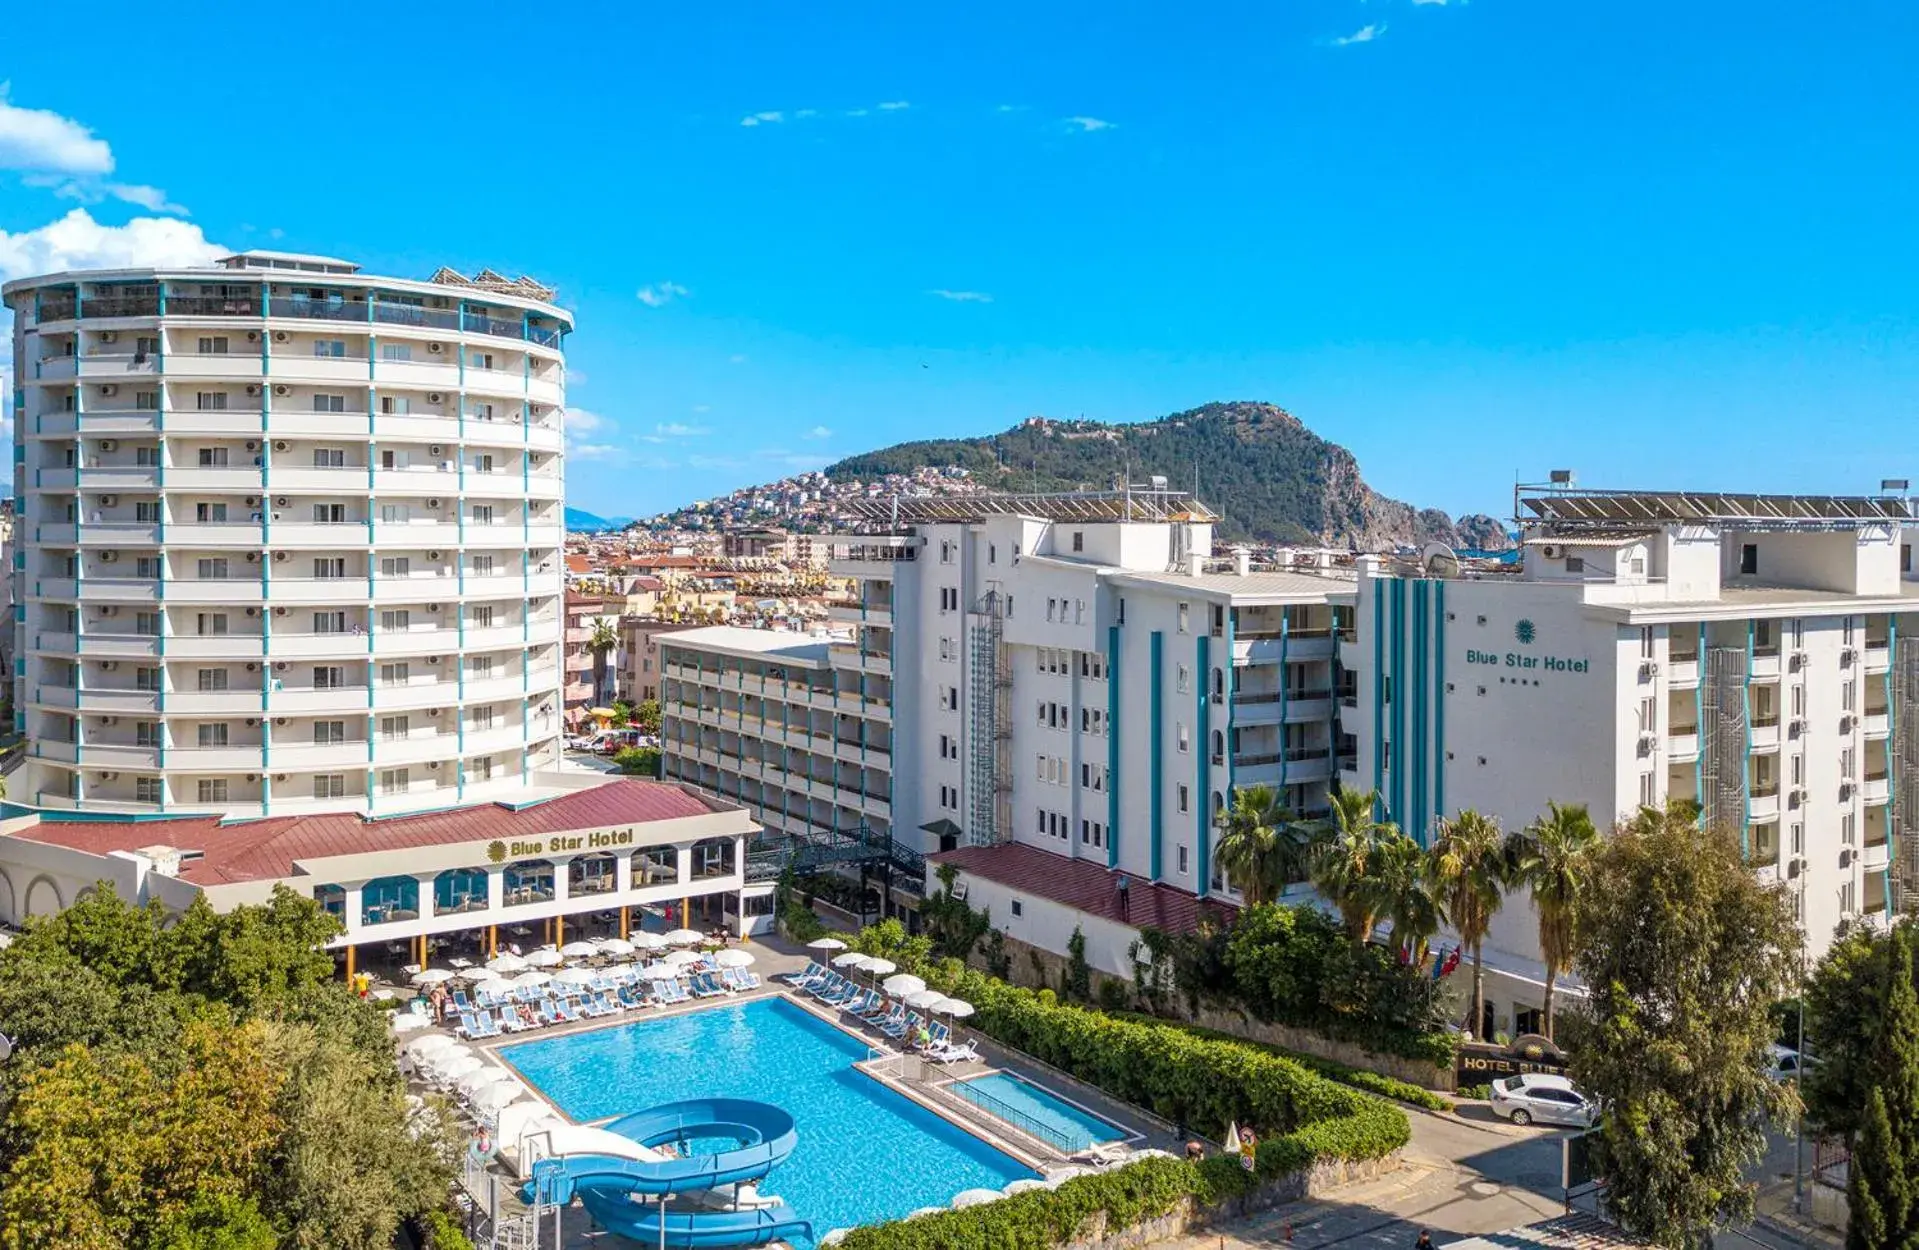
<point>899,1069</point>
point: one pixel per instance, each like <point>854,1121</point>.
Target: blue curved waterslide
<point>606,1182</point>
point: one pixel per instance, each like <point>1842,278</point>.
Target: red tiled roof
<point>1086,886</point>
<point>578,564</point>
<point>265,849</point>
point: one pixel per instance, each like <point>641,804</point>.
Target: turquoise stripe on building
<point>1379,702</point>
<point>1892,760</point>
<point>1285,634</point>
<point>1396,809</point>
<point>1203,763</point>
<point>1699,724</point>
<point>1439,705</point>
<point>1415,822</point>
<point>1745,776</point>
<point>1112,746</point>
<point>1155,738</point>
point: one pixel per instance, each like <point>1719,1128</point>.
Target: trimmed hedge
<point>1301,1117</point>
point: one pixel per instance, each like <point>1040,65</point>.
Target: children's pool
<point>1040,1112</point>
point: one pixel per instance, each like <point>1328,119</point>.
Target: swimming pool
<point>865,1153</point>
<point>1037,1111</point>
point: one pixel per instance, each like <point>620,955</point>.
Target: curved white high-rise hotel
<point>289,537</point>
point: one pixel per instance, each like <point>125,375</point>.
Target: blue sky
<point>1665,244</point>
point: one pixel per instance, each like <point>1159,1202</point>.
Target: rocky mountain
<point>1270,478</point>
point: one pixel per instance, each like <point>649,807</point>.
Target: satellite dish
<point>1439,560</point>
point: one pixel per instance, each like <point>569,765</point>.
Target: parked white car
<point>1787,1064</point>
<point>1537,1099</point>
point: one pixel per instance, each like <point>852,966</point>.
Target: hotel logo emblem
<point>1523,631</point>
<point>496,852</point>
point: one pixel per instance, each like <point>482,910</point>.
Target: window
<point>329,622</point>
<point>949,798</point>
<point>1182,861</point>
<point>479,412</point>
<point>394,673</point>
<point>213,345</point>
<point>329,568</point>
<point>1182,679</point>
<point>1183,613</point>
<point>329,514</point>
<point>210,401</point>
<point>148,790</point>
<point>329,403</point>
<point>213,569</point>
<point>146,457</point>
<point>949,747</point>
<point>396,566</point>
<point>1848,695</point>
<point>214,735</point>
<point>330,349</point>
<point>395,513</point>
<point>329,732</point>
<point>213,457</point>
<point>949,598</point>
<point>395,619</point>
<point>482,566</point>
<point>212,679</point>
<point>1749,558</point>
<point>1079,540</point>
<point>483,717</point>
<point>145,511</point>
<point>1052,607</point>
<point>946,648</point>
<point>483,463</point>
<point>393,728</point>
<point>1645,642</point>
<point>329,458</point>
<point>1092,833</point>
<point>329,677</point>
<point>1019,908</point>
<point>396,351</point>
<point>1847,899</point>
<point>482,514</point>
<point>393,781</point>
<point>210,513</point>
<point>210,624</point>
<point>329,785</point>
<point>1847,758</point>
<point>1575,564</point>
<point>480,360</point>
<point>1648,791</point>
<point>946,552</point>
<point>1121,616</point>
<point>1648,716</point>
<point>146,733</point>
<point>1797,627</point>
<point>481,667</point>
<point>950,699</point>
<point>1180,736</point>
<point>395,405</point>
<point>1798,700</point>
<point>1845,632</point>
<point>483,619</point>
<point>212,789</point>
<point>1798,770</point>
<point>481,769</point>
<point>1184,805</point>
<point>992,553</point>
<point>146,401</point>
<point>146,678</point>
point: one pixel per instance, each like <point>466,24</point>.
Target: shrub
<point>443,1232</point>
<point>639,761</point>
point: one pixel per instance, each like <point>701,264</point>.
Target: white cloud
<point>581,425</point>
<point>1087,125</point>
<point>857,112</point>
<point>673,431</point>
<point>593,451</point>
<point>807,113</point>
<point>77,241</point>
<point>770,117</point>
<point>584,421</point>
<point>962,297</point>
<point>94,191</point>
<point>736,359</point>
<point>660,294</point>
<point>817,433</point>
<point>1365,34</point>
<point>894,106</point>
<point>39,139</point>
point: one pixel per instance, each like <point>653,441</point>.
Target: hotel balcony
<point>1762,802</point>
<point>1877,789</point>
<point>1682,743</point>
<point>1682,671</point>
<point>1878,655</point>
<point>1764,733</point>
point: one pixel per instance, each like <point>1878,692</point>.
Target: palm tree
<point>1404,890</point>
<point>1552,858</point>
<point>605,638</point>
<point>1259,846</point>
<point>1470,865</point>
<point>1341,859</point>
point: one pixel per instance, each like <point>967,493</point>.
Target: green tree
<point>1883,1188</point>
<point>1845,1000</point>
<point>1342,858</point>
<point>218,1222</point>
<point>1469,865</point>
<point>646,717</point>
<point>1405,890</point>
<point>1259,847</point>
<point>1552,858</point>
<point>605,637</point>
<point>955,928</point>
<point>638,761</point>
<point>1685,952</point>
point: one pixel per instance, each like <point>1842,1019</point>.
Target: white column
<point>353,904</point>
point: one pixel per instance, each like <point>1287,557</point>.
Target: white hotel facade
<point>289,537</point>
<point>1058,692</point>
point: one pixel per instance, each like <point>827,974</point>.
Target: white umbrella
<point>680,959</point>
<point>497,1096</point>
<point>515,1118</point>
<point>851,959</point>
<point>433,976</point>
<point>976,1197</point>
<point>407,1021</point>
<point>922,999</point>
<point>835,1237</point>
<point>576,976</point>
<point>616,946</point>
<point>684,937</point>
<point>734,958</point>
<point>826,944</point>
<point>456,1066</point>
<point>951,1007</point>
<point>579,950</point>
<point>532,978</point>
<point>477,1080</point>
<point>1022,1185</point>
<point>432,1043</point>
<point>903,983</point>
<point>880,967</point>
<point>1066,1174</point>
<point>507,962</point>
<point>914,1215</point>
<point>648,942</point>
<point>545,957</point>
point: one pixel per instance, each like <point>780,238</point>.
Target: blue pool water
<point>865,1154</point>
<point>1029,1107</point>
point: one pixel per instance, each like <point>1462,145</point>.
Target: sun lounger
<point>938,1037</point>
<point>859,1002</point>
<point>545,1013</point>
<point>846,993</point>
<point>812,972</point>
<point>827,986</point>
<point>704,987</point>
<point>611,1001</point>
<point>895,1014</point>
<point>905,1027</point>
<point>953,1054</point>
<point>460,1000</point>
<point>564,1008</point>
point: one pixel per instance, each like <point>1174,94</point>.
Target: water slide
<point>714,1202</point>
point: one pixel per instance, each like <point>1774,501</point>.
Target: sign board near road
<point>1481,1062</point>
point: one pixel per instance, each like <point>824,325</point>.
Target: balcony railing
<point>1242,698</point>
<point>415,315</point>
<point>213,306</point>
<point>120,306</point>
<point>56,310</point>
<point>313,310</point>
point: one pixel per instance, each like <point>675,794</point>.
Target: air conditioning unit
<point>1794,867</point>
<point>253,389</point>
<point>435,450</point>
<point>280,501</point>
<point>1845,857</point>
<point>253,611</point>
<point>108,557</point>
<point>435,349</point>
<point>253,444</point>
<point>1795,727</point>
<point>107,666</point>
<point>253,776</point>
<point>1796,796</point>
<point>1648,743</point>
<point>280,557</point>
<point>1845,791</point>
<point>280,611</point>
<point>279,336</point>
<point>279,444</point>
<point>432,555</point>
<point>433,659</point>
<point>1649,670</point>
<point>253,336</point>
<point>109,444</point>
<point>110,389</point>
<point>109,336</point>
<point>1796,661</point>
<point>253,557</point>
<point>253,666</point>
<point>282,391</point>
<point>253,501</point>
<point>253,720</point>
<point>432,503</point>
<point>279,776</point>
<point>433,607</point>
<point>279,720</point>
<point>1845,724</point>
<point>109,720</point>
<point>107,501</point>
<point>1552,551</point>
<point>435,397</point>
<point>109,610</point>
<point>279,666</point>
<point>1847,656</point>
